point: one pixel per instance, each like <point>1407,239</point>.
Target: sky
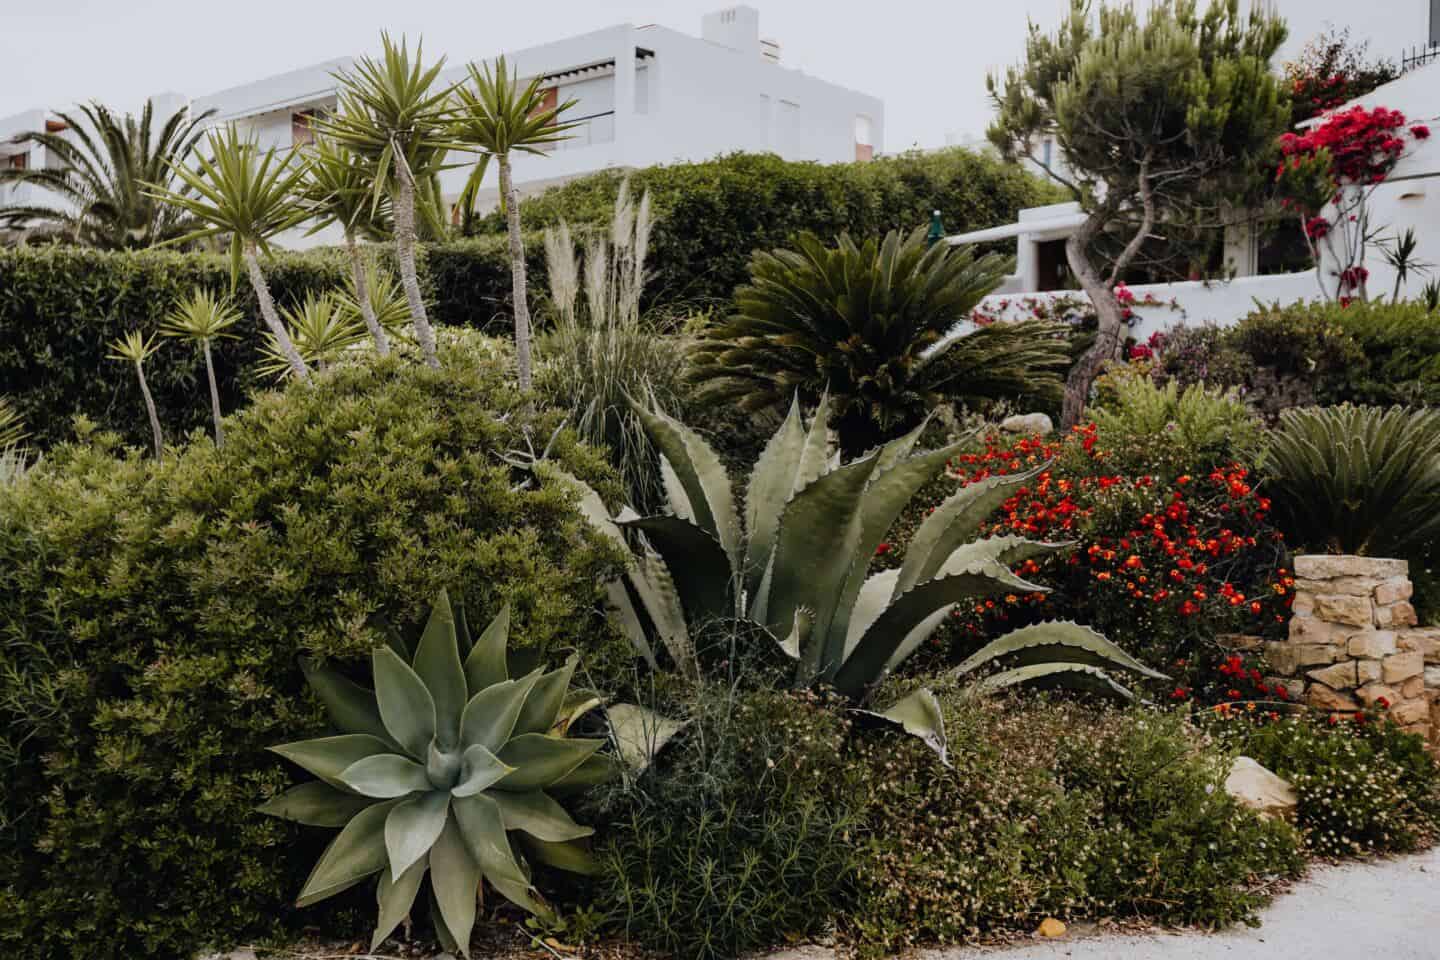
<point>927,59</point>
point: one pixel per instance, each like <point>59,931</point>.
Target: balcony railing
<point>1419,57</point>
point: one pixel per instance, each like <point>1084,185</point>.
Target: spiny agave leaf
<point>485,665</point>
<point>872,600</point>
<point>814,463</point>
<point>315,804</point>
<point>772,481</point>
<point>799,636</point>
<point>596,769</point>
<point>405,704</point>
<point>490,716</point>
<point>897,451</point>
<point>540,760</point>
<point>569,855</point>
<point>396,897</point>
<point>352,708</point>
<point>385,776</point>
<point>639,733</point>
<point>543,702</point>
<point>328,757</point>
<point>701,474</point>
<point>622,612</point>
<point>866,663</point>
<point>657,592</point>
<point>437,664</point>
<point>1064,642</point>
<point>577,704</point>
<point>1006,550</point>
<point>357,852</point>
<point>675,491</point>
<point>541,817</point>
<point>455,878</point>
<point>954,523</point>
<point>483,830</point>
<point>698,564</point>
<point>1077,675</point>
<point>479,770</point>
<point>412,828</point>
<point>920,716</point>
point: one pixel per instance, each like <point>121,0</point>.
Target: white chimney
<point>735,27</point>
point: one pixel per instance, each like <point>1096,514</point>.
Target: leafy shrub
<point>741,836</point>
<point>153,614</point>
<point>1125,815</point>
<point>1364,785</point>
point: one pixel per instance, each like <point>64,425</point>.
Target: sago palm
<point>339,186</point>
<point>249,194</point>
<point>203,318</point>
<point>496,116</point>
<point>98,187</point>
<point>134,348</point>
<point>392,113</point>
<point>867,321</point>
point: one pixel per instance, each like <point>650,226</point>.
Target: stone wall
<point>1354,642</point>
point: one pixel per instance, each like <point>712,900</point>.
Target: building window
<point>302,127</point>
<point>19,161</point>
<point>864,139</point>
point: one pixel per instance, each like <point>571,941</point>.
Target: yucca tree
<point>321,330</point>
<point>384,298</point>
<point>496,116</point>
<point>104,162</point>
<point>249,194</point>
<point>339,188</point>
<point>135,348</point>
<point>202,318</point>
<point>392,113</point>
<point>867,322</point>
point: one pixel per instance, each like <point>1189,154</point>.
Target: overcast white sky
<point>926,58</point>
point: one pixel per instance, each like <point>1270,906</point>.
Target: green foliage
<point>60,306</point>
<point>865,322</point>
<point>1363,788</point>
<point>442,769</point>
<point>12,427</point>
<point>322,329</point>
<point>1124,816</point>
<point>749,202</point>
<point>1358,480</point>
<point>154,614</point>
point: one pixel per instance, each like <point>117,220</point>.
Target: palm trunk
<point>272,319</point>
<point>517,275</point>
<point>405,253</point>
<point>362,297</point>
<point>214,393</point>
<point>150,409</point>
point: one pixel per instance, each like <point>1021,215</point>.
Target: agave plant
<point>796,563</point>
<point>450,767</point>
<point>321,331</point>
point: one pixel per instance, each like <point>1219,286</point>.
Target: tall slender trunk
<point>272,319</point>
<point>362,297</point>
<point>1108,338</point>
<point>150,409</point>
<point>405,254</point>
<point>214,393</point>
<point>517,275</point>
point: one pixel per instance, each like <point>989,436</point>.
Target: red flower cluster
<point>1364,145</point>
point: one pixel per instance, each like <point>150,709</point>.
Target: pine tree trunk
<point>1108,338</point>
<point>517,275</point>
<point>214,393</point>
<point>150,409</point>
<point>272,319</point>
<point>362,297</point>
<point>405,254</point>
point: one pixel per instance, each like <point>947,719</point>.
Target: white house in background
<point>1408,200</point>
<point>645,95</point>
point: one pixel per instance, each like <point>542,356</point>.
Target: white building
<point>645,95</point>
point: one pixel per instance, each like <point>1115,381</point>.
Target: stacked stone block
<point>1354,643</point>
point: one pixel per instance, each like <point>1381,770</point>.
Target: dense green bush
<point>712,215</point>
<point>152,615</point>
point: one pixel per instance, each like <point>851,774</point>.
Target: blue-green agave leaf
<point>405,704</point>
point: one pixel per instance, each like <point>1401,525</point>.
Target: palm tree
<point>105,161</point>
<point>338,188</point>
<point>204,318</point>
<point>136,349</point>
<point>391,114</point>
<point>496,116</point>
<point>248,194</point>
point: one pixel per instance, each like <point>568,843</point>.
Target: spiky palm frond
<point>99,187</point>
<point>12,428</point>
<point>339,188</point>
<point>864,320</point>
<point>321,330</point>
<point>134,347</point>
<point>385,297</point>
<point>202,316</point>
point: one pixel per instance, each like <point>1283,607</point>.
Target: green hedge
<point>152,617</point>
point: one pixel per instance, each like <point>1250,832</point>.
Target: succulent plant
<point>449,767</point>
<point>797,562</point>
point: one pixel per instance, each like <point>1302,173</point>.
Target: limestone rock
<point>1394,590</point>
<point>1320,566</point>
<point>1402,666</point>
<point>1372,692</point>
<point>1294,688</point>
<point>1341,676</point>
<point>1366,671</point>
<point>1349,586</point>
<point>1259,789</point>
<point>1313,629</point>
<point>1432,677</point>
<point>1028,423</point>
<point>1425,639</point>
<point>1239,642</point>
<point>1411,711</point>
<point>1373,644</point>
<point>1339,608</point>
<point>1413,688</point>
<point>1400,614</point>
<point>1323,698</point>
